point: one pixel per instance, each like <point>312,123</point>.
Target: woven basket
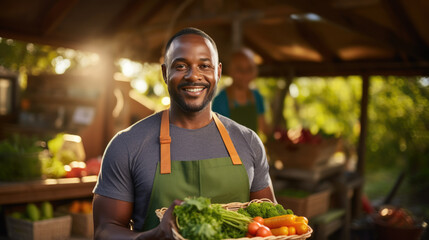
<point>234,206</point>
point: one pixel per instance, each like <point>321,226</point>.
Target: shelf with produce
<point>61,100</point>
<point>46,190</point>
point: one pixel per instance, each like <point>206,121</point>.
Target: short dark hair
<point>189,30</point>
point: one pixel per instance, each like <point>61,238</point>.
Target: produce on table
<point>19,158</point>
<point>80,207</point>
<point>197,218</point>
<point>47,210</point>
<point>33,213</point>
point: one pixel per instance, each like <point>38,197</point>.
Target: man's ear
<point>164,72</point>
<point>219,71</point>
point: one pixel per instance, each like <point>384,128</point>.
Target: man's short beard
<point>191,108</point>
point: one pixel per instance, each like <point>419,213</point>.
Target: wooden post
<point>357,207</point>
<point>278,103</point>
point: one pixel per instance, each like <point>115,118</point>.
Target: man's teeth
<point>194,89</point>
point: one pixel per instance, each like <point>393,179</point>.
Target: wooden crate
<point>57,228</point>
<point>312,205</point>
<point>306,156</point>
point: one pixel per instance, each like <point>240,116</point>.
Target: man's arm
<point>112,217</point>
<point>267,192</point>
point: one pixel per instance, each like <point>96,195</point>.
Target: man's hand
<point>168,222</point>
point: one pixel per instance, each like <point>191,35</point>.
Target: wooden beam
<point>56,14</point>
<point>271,12</point>
<point>135,13</point>
<point>359,25</point>
<point>396,11</point>
<point>345,69</point>
<point>315,41</point>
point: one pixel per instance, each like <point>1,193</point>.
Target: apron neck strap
<point>227,141</point>
<point>165,141</point>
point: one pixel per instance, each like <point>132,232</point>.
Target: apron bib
<point>247,114</point>
<point>210,178</point>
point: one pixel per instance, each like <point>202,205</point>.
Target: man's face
<point>191,71</point>
<point>243,70</point>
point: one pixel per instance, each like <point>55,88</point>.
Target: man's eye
<point>205,66</point>
<point>180,66</point>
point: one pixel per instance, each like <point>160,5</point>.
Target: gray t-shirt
<point>130,160</point>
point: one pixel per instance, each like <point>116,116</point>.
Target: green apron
<point>221,179</point>
<point>247,114</point>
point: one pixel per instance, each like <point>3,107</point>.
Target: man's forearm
<point>115,232</point>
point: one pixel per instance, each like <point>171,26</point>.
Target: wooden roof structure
<point>307,37</point>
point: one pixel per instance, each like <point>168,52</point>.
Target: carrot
<point>280,231</point>
<point>280,221</point>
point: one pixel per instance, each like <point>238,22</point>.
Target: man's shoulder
<point>143,126</point>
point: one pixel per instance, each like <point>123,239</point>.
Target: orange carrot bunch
<point>287,225</point>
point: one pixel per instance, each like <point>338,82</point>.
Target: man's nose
<point>193,74</point>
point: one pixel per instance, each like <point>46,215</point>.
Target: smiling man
<point>186,150</point>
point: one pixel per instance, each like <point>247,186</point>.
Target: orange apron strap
<point>165,140</point>
<point>227,141</point>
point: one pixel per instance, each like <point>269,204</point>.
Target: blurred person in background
<point>238,101</point>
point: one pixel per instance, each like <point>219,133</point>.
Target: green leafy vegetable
<point>197,218</point>
<point>264,209</point>
<point>19,158</point>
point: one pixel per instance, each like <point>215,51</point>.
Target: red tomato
<point>253,227</point>
<point>263,231</point>
<point>259,220</point>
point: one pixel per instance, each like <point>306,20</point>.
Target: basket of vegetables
<point>198,218</point>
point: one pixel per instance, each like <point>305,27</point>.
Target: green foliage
<point>398,131</point>
<point>34,59</point>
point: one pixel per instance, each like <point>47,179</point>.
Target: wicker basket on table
<point>234,206</point>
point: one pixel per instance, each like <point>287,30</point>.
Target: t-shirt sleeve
<point>259,102</point>
<point>261,177</point>
<point>220,104</point>
<point>115,179</point>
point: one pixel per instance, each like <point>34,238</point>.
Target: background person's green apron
<point>221,179</point>
<point>246,114</point>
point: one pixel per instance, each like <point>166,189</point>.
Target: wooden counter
<point>46,190</point>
